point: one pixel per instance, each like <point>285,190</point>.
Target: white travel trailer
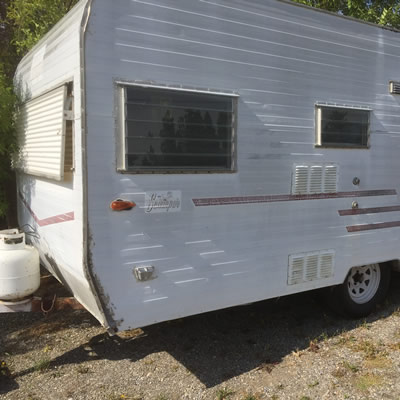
<point>180,156</point>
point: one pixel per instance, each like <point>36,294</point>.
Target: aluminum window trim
<point>180,88</point>
<point>318,127</point>
<point>121,87</point>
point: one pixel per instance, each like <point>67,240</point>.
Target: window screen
<point>169,130</point>
<point>342,127</point>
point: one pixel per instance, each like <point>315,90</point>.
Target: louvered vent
<point>41,135</point>
<point>308,179</point>
<point>310,266</point>
<point>394,87</point>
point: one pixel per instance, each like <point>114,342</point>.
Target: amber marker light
<point>121,205</point>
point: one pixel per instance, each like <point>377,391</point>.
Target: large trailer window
<point>178,131</point>
<point>342,127</point>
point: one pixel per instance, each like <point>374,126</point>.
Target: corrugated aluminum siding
<point>42,135</point>
<point>282,60</point>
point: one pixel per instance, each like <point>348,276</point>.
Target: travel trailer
<point>178,157</point>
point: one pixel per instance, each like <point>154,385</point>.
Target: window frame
<point>318,122</point>
<point>21,160</point>
<point>121,126</point>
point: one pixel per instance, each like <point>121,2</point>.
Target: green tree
<point>32,19</point>
<point>22,24</point>
<point>7,136</point>
<point>383,12</point>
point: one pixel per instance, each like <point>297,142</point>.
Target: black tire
<point>349,300</point>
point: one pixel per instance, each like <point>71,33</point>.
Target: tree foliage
<point>383,12</point>
<point>7,136</point>
<point>22,24</point>
<point>32,19</point>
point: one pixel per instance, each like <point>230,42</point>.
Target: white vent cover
<point>394,87</point>
<point>308,179</point>
<point>41,135</point>
<point>306,267</point>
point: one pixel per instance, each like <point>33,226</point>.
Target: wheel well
<point>393,264</point>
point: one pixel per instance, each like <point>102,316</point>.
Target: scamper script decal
<point>169,201</point>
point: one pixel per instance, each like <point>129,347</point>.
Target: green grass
<point>224,393</point>
<point>367,381</point>
<point>42,365</point>
<point>250,397</point>
<point>351,367</point>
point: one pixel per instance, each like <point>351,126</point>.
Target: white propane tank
<point>19,266</point>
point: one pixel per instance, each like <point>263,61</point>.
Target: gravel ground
<point>291,348</point>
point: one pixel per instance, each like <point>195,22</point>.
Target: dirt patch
<point>291,348</point>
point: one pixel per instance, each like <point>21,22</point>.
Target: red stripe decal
<point>56,219</point>
<point>369,227</point>
<point>373,210</point>
<point>222,201</point>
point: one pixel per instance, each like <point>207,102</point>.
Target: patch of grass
<point>345,339</point>
<point>369,349</point>
<point>250,397</point>
<point>323,336</point>
<point>367,381</point>
<point>351,367</point>
<point>42,365</point>
<point>224,393</point>
<point>305,398</point>
<point>378,362</point>
<point>313,384</point>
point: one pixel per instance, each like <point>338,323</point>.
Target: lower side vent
<point>306,267</point>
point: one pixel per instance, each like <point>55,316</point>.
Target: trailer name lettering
<point>163,201</point>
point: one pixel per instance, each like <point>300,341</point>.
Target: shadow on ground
<point>7,381</point>
<point>219,345</point>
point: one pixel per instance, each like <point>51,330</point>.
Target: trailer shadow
<point>220,345</point>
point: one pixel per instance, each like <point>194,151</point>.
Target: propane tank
<point>19,266</point>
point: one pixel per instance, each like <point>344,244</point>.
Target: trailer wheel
<point>363,288</point>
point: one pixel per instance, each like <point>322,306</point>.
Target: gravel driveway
<point>291,348</point>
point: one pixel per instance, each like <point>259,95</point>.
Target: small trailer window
<point>45,134</point>
<point>178,131</point>
<point>342,127</point>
